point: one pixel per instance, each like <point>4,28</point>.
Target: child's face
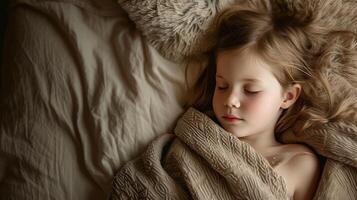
<point>247,98</point>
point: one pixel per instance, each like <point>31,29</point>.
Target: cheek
<point>262,106</point>
<point>254,107</point>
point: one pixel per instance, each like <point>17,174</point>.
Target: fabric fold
<point>202,161</point>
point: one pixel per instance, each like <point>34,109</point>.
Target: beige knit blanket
<point>203,161</point>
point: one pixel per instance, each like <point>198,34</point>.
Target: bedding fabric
<point>181,29</point>
<point>335,140</point>
<point>203,161</point>
<point>81,93</point>
<point>178,29</point>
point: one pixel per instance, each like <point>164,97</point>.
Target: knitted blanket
<point>201,161</point>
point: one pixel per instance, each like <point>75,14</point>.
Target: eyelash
<point>252,92</point>
<point>247,91</point>
<point>222,88</point>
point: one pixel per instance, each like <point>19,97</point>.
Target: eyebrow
<point>246,79</point>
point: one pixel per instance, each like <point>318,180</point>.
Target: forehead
<point>239,64</point>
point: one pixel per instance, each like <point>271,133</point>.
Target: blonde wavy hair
<point>298,49</point>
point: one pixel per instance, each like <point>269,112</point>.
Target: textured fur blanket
<point>203,161</point>
<point>183,28</point>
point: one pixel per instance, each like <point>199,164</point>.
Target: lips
<point>231,118</point>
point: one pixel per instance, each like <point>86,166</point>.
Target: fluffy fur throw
<point>182,28</point>
<point>176,28</point>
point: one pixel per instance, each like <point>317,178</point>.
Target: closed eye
<point>222,87</point>
<point>251,92</point>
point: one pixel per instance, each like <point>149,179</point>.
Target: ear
<point>291,94</point>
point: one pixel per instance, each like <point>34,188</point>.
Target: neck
<point>261,142</point>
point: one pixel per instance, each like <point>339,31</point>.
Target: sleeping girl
<point>255,86</point>
<point>254,89</point>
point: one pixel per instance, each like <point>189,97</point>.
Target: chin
<point>237,133</point>
<point>240,135</point>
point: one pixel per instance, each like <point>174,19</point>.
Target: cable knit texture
<point>202,161</point>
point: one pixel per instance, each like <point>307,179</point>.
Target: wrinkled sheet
<point>81,93</point>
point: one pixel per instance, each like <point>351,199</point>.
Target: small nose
<point>232,100</point>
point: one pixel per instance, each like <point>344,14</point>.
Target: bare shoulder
<point>303,160</point>
<point>306,167</point>
<point>298,149</point>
